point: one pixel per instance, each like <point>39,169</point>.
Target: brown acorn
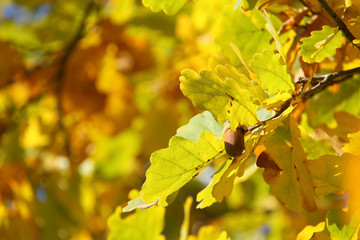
<point>234,141</point>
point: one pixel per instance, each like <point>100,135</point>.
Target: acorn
<point>234,141</point>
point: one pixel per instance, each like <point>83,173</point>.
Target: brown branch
<point>284,106</point>
<point>322,81</point>
<point>341,25</point>
<point>327,80</point>
<point>78,35</point>
<point>332,76</point>
<point>59,77</point>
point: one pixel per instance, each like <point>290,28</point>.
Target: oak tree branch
<point>326,80</point>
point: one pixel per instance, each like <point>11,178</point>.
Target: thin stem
<point>322,82</point>
<point>322,85</point>
<point>285,105</point>
<point>331,76</point>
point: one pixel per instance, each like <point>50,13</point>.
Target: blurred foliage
<point>90,88</point>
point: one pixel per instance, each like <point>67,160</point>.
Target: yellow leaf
<point>308,232</point>
<point>354,146</point>
<point>348,3</point>
<point>184,231</point>
<point>32,136</point>
<point>356,41</point>
<point>299,158</point>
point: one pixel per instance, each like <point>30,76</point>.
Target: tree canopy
<point>113,113</point>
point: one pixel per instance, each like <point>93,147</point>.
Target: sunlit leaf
<point>226,100</point>
<point>299,160</point>
<point>228,71</point>
<point>143,224</point>
<point>276,101</point>
<point>33,136</point>
<point>320,45</point>
<point>173,167</point>
<point>198,124</point>
<point>275,122</point>
<point>224,187</point>
<point>170,7</point>
<point>121,11</point>
<point>239,27</point>
<point>246,4</point>
<point>272,73</point>
<point>184,231</point>
<point>263,114</point>
<point>271,29</point>
<point>340,224</point>
<point>210,232</point>
<point>285,170</point>
<point>205,197</point>
<point>222,181</point>
<point>354,146</point>
<point>309,231</point>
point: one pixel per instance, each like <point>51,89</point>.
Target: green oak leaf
<point>323,106</point>
<point>270,27</point>
<point>226,183</point>
<point>228,71</point>
<point>198,124</point>
<point>246,30</point>
<point>205,197</point>
<point>263,114</point>
<point>245,4</point>
<point>341,225</point>
<point>210,232</point>
<point>275,122</point>
<point>222,182</point>
<point>272,73</point>
<point>144,224</point>
<point>226,100</point>
<point>173,167</point>
<point>320,45</point>
<point>276,101</point>
<point>169,7</point>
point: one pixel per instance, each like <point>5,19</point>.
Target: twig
<point>331,76</point>
<point>63,64</point>
<point>284,106</point>
<point>341,25</point>
<point>322,85</point>
<point>325,80</point>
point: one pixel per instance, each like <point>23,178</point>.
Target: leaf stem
<point>341,25</point>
